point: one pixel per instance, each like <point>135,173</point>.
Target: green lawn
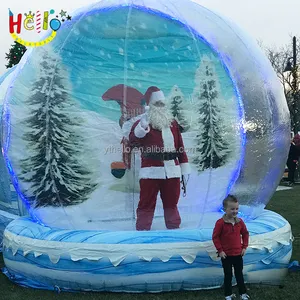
<point>287,203</point>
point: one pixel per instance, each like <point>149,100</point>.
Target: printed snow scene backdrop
<point>69,113</point>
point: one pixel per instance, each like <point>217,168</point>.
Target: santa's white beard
<point>159,117</point>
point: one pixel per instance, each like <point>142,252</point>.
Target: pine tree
<point>212,150</point>
<point>176,106</point>
<point>55,171</point>
<point>15,54</point>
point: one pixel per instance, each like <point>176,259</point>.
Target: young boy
<point>231,247</point>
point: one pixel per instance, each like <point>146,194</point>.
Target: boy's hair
<point>229,198</point>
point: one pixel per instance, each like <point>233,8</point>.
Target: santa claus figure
<point>163,161</point>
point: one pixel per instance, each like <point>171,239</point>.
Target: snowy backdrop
<point>65,136</point>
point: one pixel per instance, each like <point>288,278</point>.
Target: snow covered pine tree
<point>176,106</point>
<point>212,150</point>
<point>55,170</point>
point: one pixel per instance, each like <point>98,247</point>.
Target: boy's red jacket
<point>230,238</point>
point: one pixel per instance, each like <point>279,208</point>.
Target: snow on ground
<point>283,188</point>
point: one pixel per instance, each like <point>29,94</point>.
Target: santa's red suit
<point>163,162</point>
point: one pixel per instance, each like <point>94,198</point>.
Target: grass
<point>286,203</point>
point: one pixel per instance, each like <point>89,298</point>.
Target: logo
<point>38,21</point>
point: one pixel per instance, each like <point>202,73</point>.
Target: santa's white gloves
<point>145,119</point>
<point>186,178</point>
<point>142,127</point>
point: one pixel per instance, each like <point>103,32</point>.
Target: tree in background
<point>15,54</point>
<point>176,100</point>
<point>55,167</point>
<point>290,83</point>
<point>211,147</point>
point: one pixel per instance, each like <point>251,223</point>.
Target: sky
<point>269,21</point>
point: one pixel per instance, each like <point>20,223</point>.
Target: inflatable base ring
<point>135,261</point>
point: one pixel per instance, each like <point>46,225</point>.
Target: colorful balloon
<point>55,24</point>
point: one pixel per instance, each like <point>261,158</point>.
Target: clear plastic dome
<point>73,102</point>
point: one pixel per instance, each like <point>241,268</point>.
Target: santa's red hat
<point>154,94</point>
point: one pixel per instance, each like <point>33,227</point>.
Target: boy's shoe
<point>232,297</point>
<point>245,297</point>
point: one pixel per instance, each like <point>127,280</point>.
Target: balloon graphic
<point>55,24</point>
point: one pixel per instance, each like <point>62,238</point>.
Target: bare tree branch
<point>279,58</point>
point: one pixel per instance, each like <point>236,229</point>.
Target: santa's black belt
<point>161,155</point>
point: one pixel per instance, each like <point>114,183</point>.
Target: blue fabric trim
<point>268,221</point>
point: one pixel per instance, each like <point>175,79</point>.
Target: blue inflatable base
<point>5,219</point>
<point>137,262</point>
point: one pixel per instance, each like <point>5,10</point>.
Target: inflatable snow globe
<point>124,135</point>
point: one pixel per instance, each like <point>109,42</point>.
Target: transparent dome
<point>73,102</point>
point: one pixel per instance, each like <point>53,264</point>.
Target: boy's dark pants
<point>237,263</point>
<point>292,166</point>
